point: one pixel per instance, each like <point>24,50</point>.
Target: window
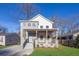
<point>47,26</point>
<point>41,37</point>
<point>48,37</point>
<point>34,24</point>
<point>29,24</point>
<point>41,26</point>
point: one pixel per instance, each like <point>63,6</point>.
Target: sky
<point>10,14</point>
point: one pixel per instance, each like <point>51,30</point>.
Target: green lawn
<point>1,47</point>
<point>61,51</point>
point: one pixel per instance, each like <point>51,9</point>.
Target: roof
<point>2,34</point>
<point>69,34</point>
<point>36,17</point>
<point>42,17</point>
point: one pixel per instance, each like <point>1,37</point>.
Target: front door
<point>30,39</point>
<point>32,36</point>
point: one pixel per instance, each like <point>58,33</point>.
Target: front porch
<point>41,37</point>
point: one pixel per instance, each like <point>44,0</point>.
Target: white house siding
<point>42,22</point>
<point>39,21</point>
<point>2,40</point>
<point>25,25</point>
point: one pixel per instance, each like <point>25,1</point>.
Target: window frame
<point>41,26</point>
<point>47,26</point>
<point>29,24</point>
<point>33,24</point>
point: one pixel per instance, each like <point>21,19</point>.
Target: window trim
<point>47,26</point>
<point>33,24</point>
<point>41,26</point>
<point>29,24</point>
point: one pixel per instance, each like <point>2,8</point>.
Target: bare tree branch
<point>30,10</point>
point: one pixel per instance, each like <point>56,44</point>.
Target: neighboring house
<point>9,39</point>
<point>2,35</point>
<point>70,35</point>
<point>38,32</point>
<point>12,39</point>
<point>2,39</point>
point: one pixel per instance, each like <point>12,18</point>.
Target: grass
<point>61,51</point>
<point>1,47</point>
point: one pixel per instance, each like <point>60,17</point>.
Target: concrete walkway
<point>15,50</point>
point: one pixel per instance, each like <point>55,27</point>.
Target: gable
<point>40,18</point>
<point>42,21</point>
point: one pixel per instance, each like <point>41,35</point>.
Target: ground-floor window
<point>48,36</point>
<point>41,37</point>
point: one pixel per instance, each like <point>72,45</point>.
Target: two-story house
<point>38,32</point>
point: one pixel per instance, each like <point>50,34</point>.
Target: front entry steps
<point>28,49</point>
<point>29,46</point>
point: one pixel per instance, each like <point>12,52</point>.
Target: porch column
<point>46,36</point>
<point>26,35</point>
<point>21,37</point>
<point>56,39</point>
<point>36,40</point>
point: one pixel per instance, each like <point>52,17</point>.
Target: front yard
<point>1,47</point>
<point>61,51</point>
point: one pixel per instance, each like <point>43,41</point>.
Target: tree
<point>3,29</point>
<point>77,42</point>
<point>62,24</point>
<point>30,10</point>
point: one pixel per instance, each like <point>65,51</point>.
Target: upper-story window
<point>47,26</point>
<point>41,26</point>
<point>34,24</point>
<point>29,24</point>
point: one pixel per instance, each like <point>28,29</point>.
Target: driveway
<point>15,50</point>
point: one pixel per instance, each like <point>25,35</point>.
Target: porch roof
<point>54,29</point>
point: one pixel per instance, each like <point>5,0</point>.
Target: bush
<point>77,42</point>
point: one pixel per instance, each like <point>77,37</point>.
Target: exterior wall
<point>38,21</point>
<point>9,39</point>
<point>2,40</point>
<point>21,34</point>
<point>43,22</point>
<point>76,34</point>
<point>33,25</point>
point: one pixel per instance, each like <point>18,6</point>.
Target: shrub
<point>77,42</point>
